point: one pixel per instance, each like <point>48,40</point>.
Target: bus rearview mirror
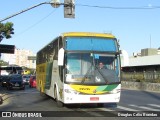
<point>60,57</point>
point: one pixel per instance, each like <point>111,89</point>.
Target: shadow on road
<point>153,95</point>
<point>91,105</point>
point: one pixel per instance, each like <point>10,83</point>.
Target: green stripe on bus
<point>107,87</point>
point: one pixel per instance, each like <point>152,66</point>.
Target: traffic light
<point>69,9</point>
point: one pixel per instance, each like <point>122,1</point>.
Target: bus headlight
<point>71,91</point>
<point>115,91</point>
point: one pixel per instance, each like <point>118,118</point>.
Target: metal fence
<point>146,76</point>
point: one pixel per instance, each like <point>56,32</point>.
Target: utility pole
<point>69,8</point>
<point>150,41</point>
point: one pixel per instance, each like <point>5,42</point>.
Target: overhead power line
<point>37,22</point>
<point>109,7</point>
<point>23,11</point>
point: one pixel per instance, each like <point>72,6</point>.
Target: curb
<point>5,100</point>
<point>3,96</point>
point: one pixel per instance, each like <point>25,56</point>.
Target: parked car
<point>15,82</point>
<point>32,81</point>
<point>26,79</point>
<point>4,80</point>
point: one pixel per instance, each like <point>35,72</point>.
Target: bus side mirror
<point>61,57</point>
<point>120,52</point>
<point>125,58</point>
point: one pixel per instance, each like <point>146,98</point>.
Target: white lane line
<point>105,109</point>
<point>91,112</point>
<point>154,105</point>
<point>127,109</point>
<point>146,108</point>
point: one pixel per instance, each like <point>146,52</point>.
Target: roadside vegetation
<point>6,30</point>
<point>150,76</point>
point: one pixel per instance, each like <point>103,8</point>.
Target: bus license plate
<point>94,98</point>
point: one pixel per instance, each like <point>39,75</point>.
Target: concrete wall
<point>155,87</point>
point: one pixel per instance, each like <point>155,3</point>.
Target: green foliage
<point>157,81</point>
<point>6,30</point>
<point>139,77</point>
<point>3,63</point>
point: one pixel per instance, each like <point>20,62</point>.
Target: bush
<point>157,81</point>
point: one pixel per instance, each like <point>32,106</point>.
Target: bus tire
<point>59,103</point>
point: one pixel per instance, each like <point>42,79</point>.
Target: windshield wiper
<point>102,75</point>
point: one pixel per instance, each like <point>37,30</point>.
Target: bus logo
<point>94,91</point>
<point>84,88</point>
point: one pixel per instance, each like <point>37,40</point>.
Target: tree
<point>6,30</point>
<point>3,63</point>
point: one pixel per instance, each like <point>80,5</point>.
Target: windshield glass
<point>90,68</point>
<point>91,44</point>
<point>16,78</point>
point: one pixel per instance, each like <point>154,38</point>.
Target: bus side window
<point>55,57</point>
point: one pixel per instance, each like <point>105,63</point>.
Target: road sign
<point>31,57</point>
<point>7,48</point>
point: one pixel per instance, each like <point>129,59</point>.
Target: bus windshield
<point>90,68</point>
<point>91,44</point>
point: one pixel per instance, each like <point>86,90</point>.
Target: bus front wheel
<point>59,103</point>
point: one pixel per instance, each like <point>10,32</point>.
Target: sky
<point>136,28</point>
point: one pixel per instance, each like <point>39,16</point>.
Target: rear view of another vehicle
<point>4,80</point>
<point>15,82</point>
<point>32,81</point>
<point>26,79</point>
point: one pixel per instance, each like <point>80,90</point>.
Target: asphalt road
<point>131,102</point>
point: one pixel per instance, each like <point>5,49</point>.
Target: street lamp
<point>24,11</point>
<point>69,8</point>
<point>55,3</point>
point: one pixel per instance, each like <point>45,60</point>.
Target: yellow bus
<point>68,68</point>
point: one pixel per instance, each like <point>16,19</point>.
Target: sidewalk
<point>4,97</point>
<point>1,96</point>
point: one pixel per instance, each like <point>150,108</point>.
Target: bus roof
<point>89,34</point>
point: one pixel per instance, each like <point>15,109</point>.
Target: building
<point>147,60</point>
<point>144,66</point>
<point>20,58</point>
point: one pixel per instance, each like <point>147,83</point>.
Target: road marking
<point>105,109</point>
<point>143,107</point>
<point>95,113</point>
<point>125,108</point>
<point>154,105</point>
<point>90,112</point>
